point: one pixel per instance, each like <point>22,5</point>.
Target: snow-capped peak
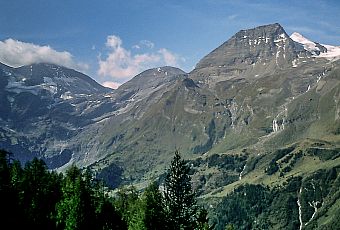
<point>307,44</point>
<point>318,50</point>
<point>300,38</point>
<point>333,52</point>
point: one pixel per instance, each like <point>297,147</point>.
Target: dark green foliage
<point>107,216</point>
<point>229,167</point>
<point>202,220</point>
<point>315,190</point>
<point>227,162</point>
<point>280,153</point>
<point>41,190</point>
<point>273,166</point>
<point>180,200</point>
<point>35,198</point>
<point>75,210</point>
<point>179,197</point>
<point>324,154</point>
<point>8,199</point>
<point>155,214</point>
<point>229,227</point>
<point>111,175</point>
<point>258,207</point>
<point>283,211</point>
<point>130,206</point>
<point>243,206</point>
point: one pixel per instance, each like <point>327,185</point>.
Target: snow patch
<point>18,87</point>
<point>307,44</point>
<point>281,38</point>
<point>332,53</point>
<point>66,96</point>
<point>294,63</point>
<point>192,111</point>
<point>241,173</point>
<point>300,209</point>
<point>275,126</point>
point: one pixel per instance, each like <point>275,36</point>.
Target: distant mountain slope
<point>39,107</point>
<point>262,108</point>
<point>258,92</point>
<point>56,113</point>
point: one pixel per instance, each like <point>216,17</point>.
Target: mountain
<point>261,109</point>
<point>318,50</point>
<point>40,105</point>
<point>52,112</point>
<point>263,44</point>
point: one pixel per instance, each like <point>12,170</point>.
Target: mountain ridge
<point>260,111</point>
<point>242,95</point>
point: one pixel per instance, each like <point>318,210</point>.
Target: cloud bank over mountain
<point>17,53</point>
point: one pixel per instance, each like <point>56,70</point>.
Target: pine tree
<point>38,194</point>
<point>5,190</point>
<point>155,216</point>
<point>107,217</point>
<point>76,210</point>
<point>202,220</point>
<point>179,198</point>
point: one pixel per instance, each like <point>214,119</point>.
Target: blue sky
<point>112,40</point>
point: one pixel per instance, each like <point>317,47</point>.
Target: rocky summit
<point>262,108</point>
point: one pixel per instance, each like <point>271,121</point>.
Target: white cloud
<point>144,43</point>
<point>147,44</point>
<point>17,53</point>
<point>121,65</point>
<point>136,47</point>
<point>113,41</point>
<point>169,58</point>
<point>111,84</point>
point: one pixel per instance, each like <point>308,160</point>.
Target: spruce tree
<point>5,190</point>
<point>179,198</point>
<point>75,210</point>
<point>155,217</point>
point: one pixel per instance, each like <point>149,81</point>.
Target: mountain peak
<point>325,51</point>
<point>268,43</point>
<point>53,78</point>
<point>299,38</point>
<point>152,78</point>
<point>275,28</point>
<point>162,71</point>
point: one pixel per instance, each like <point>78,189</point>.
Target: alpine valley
<point>258,120</point>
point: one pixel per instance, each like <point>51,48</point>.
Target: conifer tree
<point>155,216</point>
<point>5,188</point>
<point>38,194</point>
<point>76,210</point>
<point>179,198</point>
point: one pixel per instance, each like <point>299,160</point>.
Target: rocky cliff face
<point>262,44</point>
